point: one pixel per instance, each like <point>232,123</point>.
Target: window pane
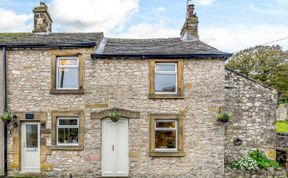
<point>68,62</point>
<point>32,136</point>
<point>165,139</point>
<point>68,122</point>
<point>165,82</point>
<point>165,67</point>
<point>68,78</point>
<point>68,135</point>
<point>160,124</point>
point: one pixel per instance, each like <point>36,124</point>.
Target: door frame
<point>35,122</point>
<point>124,113</point>
<point>102,147</point>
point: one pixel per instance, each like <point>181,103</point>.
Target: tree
<point>267,64</point>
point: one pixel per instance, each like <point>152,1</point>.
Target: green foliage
<point>255,160</point>
<point>262,161</point>
<point>267,64</point>
<point>224,116</point>
<point>6,116</point>
<point>282,126</point>
<point>243,162</point>
<point>114,116</point>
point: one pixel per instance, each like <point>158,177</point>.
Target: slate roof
<point>57,39</point>
<point>110,47</point>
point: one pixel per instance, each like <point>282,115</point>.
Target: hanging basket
<point>224,116</point>
<point>6,117</point>
<point>114,116</point>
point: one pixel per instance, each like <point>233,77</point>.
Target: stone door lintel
<point>123,113</point>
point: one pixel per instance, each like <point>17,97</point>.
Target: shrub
<point>262,161</point>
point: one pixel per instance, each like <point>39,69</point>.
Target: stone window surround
<point>180,146</point>
<point>54,116</point>
<point>180,67</point>
<point>65,53</point>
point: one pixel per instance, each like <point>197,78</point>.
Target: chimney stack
<point>42,19</point>
<point>190,28</point>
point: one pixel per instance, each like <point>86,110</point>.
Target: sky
<point>229,25</point>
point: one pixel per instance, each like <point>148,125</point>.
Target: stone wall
<point>1,110</point>
<point>124,84</point>
<point>282,141</point>
<point>280,173</point>
<point>254,113</point>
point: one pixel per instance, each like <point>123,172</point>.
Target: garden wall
<point>255,174</point>
<point>254,113</point>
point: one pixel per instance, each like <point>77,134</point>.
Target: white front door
<point>115,160</point>
<point>30,147</point>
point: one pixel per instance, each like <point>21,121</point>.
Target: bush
<point>256,159</point>
<point>262,161</point>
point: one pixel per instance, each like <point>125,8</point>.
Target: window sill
<point>67,92</point>
<point>166,96</point>
<point>166,154</point>
<point>68,148</point>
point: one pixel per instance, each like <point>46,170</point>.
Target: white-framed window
<point>166,135</point>
<point>68,131</point>
<point>166,78</point>
<point>67,76</point>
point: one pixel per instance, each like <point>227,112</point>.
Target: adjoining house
<point>64,89</point>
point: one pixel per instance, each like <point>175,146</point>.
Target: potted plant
<point>6,117</point>
<point>224,116</point>
<point>114,116</point>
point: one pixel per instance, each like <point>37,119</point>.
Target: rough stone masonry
<point>120,83</point>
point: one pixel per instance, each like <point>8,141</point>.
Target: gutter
<point>5,108</point>
<point>224,56</point>
<point>52,45</point>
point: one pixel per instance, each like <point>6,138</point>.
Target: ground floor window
<point>166,135</point>
<point>67,131</point>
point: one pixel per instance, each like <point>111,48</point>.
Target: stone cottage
<point>91,106</point>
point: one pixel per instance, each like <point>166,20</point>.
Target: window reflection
<point>31,136</point>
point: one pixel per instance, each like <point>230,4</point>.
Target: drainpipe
<point>5,109</point>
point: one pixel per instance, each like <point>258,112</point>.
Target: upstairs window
<point>166,78</point>
<point>67,73</point>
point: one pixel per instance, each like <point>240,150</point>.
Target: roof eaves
<point>164,56</point>
<point>48,45</point>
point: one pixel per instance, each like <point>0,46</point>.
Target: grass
<point>282,126</point>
